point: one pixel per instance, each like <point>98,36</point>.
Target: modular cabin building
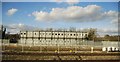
<point>63,38</point>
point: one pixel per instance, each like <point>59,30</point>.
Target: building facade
<point>62,38</point>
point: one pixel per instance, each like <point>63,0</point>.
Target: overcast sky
<point>27,15</point>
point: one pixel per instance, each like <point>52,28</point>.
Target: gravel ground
<point>27,57</point>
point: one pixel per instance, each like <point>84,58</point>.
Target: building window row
<point>23,33</point>
<point>56,34</point>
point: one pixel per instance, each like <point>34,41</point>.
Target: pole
<point>91,49</point>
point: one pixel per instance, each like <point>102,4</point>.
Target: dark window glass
<point>24,33</point>
<point>51,38</point>
<point>75,38</point>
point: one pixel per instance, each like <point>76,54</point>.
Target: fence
<point>37,42</point>
<point>51,45</point>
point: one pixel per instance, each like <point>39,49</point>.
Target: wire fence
<point>55,45</point>
<point>55,42</point>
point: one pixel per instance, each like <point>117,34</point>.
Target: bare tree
<point>72,29</point>
<point>92,34</point>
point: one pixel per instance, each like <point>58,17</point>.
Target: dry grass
<point>47,48</point>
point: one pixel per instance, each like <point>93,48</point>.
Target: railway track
<point>63,54</point>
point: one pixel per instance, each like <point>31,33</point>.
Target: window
<point>75,38</point>
<point>74,34</point>
<point>21,33</point>
<point>71,34</point>
<point>58,34</point>
<point>85,34</point>
<point>35,33</point>
<point>51,38</point>
<point>61,34</point>
<point>24,33</point>
<point>55,34</point>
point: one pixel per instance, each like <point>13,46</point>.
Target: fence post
<point>91,49</point>
<point>40,46</point>
<point>58,47</point>
<point>22,45</point>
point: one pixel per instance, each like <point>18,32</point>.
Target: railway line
<point>60,56</point>
<point>64,53</point>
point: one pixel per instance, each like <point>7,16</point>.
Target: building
<point>50,37</point>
